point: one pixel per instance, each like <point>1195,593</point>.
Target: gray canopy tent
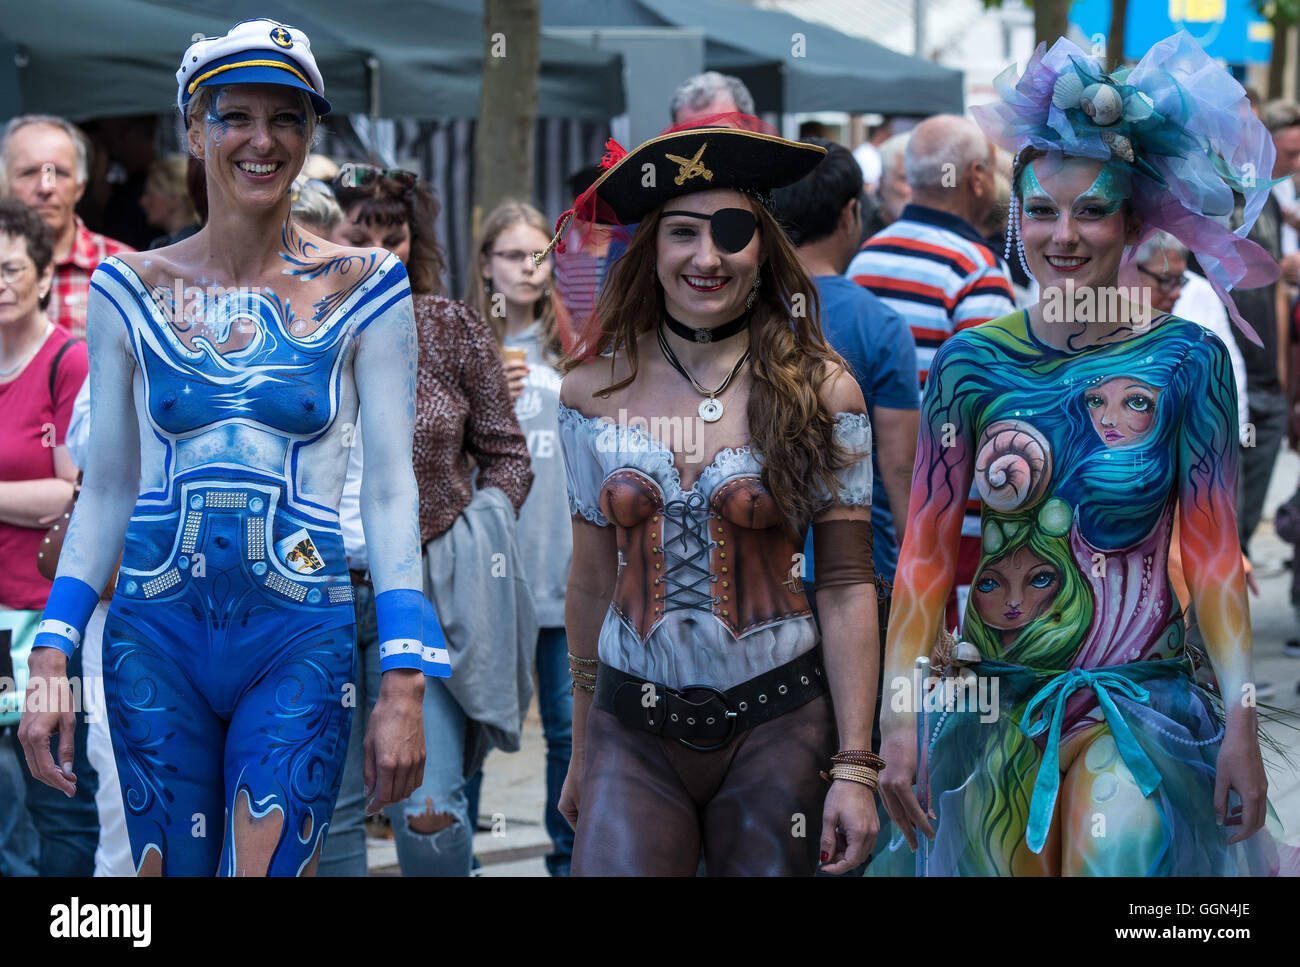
<point>788,64</point>
<point>396,58</point>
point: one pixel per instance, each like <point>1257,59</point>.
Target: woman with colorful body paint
<point>226,372</point>
<point>1085,424</point>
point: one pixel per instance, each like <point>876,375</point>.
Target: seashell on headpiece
<point>1102,103</point>
<point>1178,124</point>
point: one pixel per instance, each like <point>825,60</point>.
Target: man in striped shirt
<point>933,267</point>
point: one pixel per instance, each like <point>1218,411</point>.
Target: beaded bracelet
<point>865,776</point>
<point>582,661</point>
<point>576,685</point>
<point>860,757</point>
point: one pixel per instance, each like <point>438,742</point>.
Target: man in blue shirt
<point>822,214</point>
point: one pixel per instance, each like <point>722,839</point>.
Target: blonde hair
<point>505,216</point>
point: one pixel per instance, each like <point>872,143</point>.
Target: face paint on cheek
<point>1030,188</point>
<point>1107,190</point>
<point>217,128</point>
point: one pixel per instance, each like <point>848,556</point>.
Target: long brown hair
<point>387,201</point>
<point>789,425</point>
<point>505,216</point>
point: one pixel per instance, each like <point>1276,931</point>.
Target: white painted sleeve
<point>384,368</point>
<point>112,456</point>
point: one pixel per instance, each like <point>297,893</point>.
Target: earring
<point>753,291</point>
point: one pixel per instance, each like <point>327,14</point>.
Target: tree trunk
<point>1051,20</point>
<point>1115,39</point>
<point>503,140</point>
<point>1277,59</point>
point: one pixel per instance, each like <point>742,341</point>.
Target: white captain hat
<point>253,52</point>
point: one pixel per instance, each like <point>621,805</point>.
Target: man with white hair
<point>1160,269</point>
<point>710,93</point>
<point>46,166</point>
<point>933,267</point>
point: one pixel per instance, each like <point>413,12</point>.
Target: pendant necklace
<point>710,408</point>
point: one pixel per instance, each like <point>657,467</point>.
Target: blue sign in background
<point>1227,29</point>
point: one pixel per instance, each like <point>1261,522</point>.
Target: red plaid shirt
<point>67,306</point>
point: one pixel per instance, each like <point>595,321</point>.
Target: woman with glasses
<point>221,410</point>
<point>517,297</point>
<point>472,472</point>
<point>41,369</point>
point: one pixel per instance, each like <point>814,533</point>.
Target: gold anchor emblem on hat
<point>691,167</point>
<point>281,37</point>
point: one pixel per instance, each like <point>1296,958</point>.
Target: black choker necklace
<point>716,334</point>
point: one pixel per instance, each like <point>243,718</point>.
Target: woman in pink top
<point>36,396</point>
<point>41,369</point>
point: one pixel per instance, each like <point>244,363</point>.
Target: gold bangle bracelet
<point>582,661</point>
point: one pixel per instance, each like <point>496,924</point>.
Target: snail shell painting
<point>1013,464</point>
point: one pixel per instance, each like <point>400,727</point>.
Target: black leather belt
<point>704,718</point>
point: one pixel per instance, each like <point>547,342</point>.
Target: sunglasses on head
<point>732,228</point>
<point>357,175</point>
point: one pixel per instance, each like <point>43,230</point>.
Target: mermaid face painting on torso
<point>1076,465</point>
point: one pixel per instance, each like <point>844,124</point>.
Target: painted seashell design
<point>1102,103</point>
<point>1013,465</point>
<point>1067,90</point>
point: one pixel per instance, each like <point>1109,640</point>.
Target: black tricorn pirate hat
<point>685,161</point>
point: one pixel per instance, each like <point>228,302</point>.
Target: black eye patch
<point>732,228</point>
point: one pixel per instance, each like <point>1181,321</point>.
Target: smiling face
<point>1011,591</point>
<point>508,264</point>
<point>1121,410</point>
<point>704,285</point>
<point>253,142</point>
<point>1073,222</point>
<point>41,170</point>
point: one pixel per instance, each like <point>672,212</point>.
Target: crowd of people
<point>707,471</point>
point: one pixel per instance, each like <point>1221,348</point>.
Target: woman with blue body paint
<point>226,376</point>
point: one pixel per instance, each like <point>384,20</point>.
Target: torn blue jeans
<point>445,853</point>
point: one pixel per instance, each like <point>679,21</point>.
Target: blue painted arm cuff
<point>71,602</point>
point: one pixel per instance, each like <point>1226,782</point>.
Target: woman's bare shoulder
<point>581,384</point>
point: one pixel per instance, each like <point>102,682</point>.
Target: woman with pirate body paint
<point>1085,425</point>
<point>715,426</point>
<point>226,375</point>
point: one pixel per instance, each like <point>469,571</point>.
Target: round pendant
<point>710,410</point>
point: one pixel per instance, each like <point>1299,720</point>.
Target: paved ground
<point>514,785</point>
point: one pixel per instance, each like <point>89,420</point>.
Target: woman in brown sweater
<point>466,441</point>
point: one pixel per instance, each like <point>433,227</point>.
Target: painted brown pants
<point>649,804</point>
